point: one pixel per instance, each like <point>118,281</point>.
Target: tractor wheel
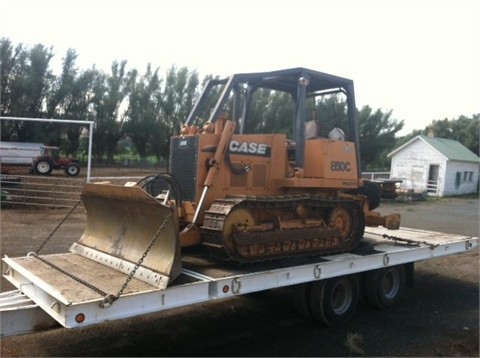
<point>72,170</point>
<point>43,166</point>
<point>373,192</point>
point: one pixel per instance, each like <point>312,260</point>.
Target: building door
<point>418,177</point>
<point>432,184</point>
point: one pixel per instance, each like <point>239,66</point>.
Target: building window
<point>458,178</point>
<point>465,176</point>
<point>470,176</point>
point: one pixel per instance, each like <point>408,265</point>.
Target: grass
<point>432,199</point>
<point>466,196</point>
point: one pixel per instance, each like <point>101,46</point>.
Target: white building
<point>441,167</point>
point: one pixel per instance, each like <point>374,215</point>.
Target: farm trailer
<point>41,158</point>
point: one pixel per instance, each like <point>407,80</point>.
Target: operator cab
<point>321,106</point>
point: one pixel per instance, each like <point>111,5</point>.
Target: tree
<point>10,58</point>
<point>25,79</point>
<point>271,112</point>
<point>108,94</point>
<point>331,111</point>
<point>178,98</point>
<point>58,99</point>
<point>30,89</point>
<point>465,130</point>
<point>78,108</point>
<point>377,137</point>
<point>145,101</point>
<point>468,129</point>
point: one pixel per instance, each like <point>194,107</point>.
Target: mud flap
<point>122,222</point>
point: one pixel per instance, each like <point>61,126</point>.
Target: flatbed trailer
<point>70,289</point>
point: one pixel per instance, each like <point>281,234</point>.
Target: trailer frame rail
<point>74,305</point>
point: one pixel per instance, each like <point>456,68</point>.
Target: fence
<point>19,190</point>
<point>375,175</point>
<point>48,192</point>
<point>57,192</point>
<point>120,162</point>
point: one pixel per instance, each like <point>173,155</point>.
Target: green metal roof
<point>450,149</point>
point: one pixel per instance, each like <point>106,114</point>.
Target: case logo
<point>249,148</point>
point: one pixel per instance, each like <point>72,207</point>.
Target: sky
<point>420,59</point>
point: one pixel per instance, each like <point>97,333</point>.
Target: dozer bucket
<point>122,223</point>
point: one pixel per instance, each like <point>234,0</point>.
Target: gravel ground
<point>438,317</point>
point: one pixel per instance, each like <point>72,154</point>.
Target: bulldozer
<point>240,195</point>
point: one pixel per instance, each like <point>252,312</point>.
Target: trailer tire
<point>384,287</point>
<point>43,166</point>
<point>301,300</point>
<point>334,301</point>
<point>72,170</point>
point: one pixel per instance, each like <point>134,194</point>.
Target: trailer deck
<point>71,288</point>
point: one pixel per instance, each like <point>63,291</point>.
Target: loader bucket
<point>122,222</point>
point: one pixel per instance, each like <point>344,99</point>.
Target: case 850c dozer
<point>242,196</point>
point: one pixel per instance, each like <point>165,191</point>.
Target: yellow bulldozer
<point>239,195</point>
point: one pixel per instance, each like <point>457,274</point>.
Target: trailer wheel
<point>301,300</point>
<point>334,301</point>
<point>384,287</point>
<point>72,170</point>
<point>43,167</point>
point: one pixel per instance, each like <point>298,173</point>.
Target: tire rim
<point>43,167</point>
<point>391,284</point>
<point>341,297</point>
<point>72,170</point>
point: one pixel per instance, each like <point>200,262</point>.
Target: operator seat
<point>312,129</point>
<point>336,134</point>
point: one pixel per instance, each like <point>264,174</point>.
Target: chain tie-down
<point>108,299</point>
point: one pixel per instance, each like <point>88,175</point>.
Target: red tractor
<point>50,160</point>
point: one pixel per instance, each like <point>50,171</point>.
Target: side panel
<point>254,162</point>
<point>330,159</point>
<point>250,167</point>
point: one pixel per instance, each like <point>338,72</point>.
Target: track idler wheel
<point>349,220</point>
<point>341,218</point>
<point>237,219</point>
